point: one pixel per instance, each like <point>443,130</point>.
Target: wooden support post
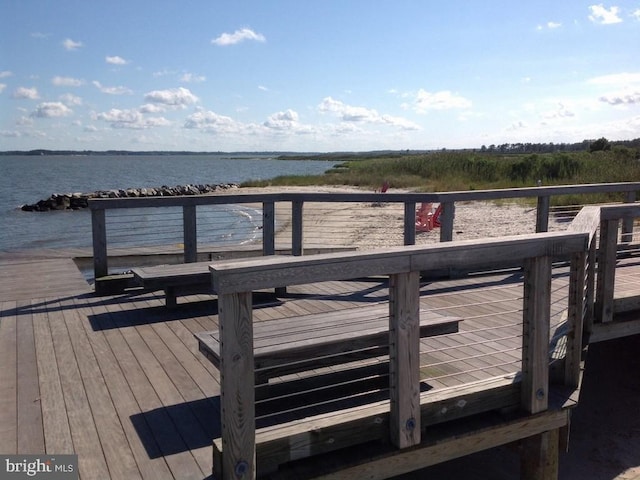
<point>297,237</point>
<point>590,294</point>
<point>535,337</point>
<point>404,358</point>
<point>99,233</point>
<point>410,223</point>
<point>268,228</point>
<point>627,222</point>
<point>446,221</point>
<point>190,235</point>
<point>539,456</point>
<point>575,319</point>
<point>237,388</point>
<point>542,214</point>
<point>606,270</point>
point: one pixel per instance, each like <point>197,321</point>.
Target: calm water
<point>28,179</point>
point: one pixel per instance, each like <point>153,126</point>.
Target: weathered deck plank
<point>120,377</point>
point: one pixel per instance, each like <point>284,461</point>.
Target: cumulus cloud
<point>51,110</point>
<point>636,14</point>
<point>561,111</point>
<point>174,97</point>
<point>69,99</point>
<point>2,87</point>
<point>71,45</point>
<point>623,98</point>
<point>116,60</point>
<point>5,74</point>
<point>349,113</point>
<point>112,90</point>
<point>26,93</point>
<point>287,120</point>
<point>442,100</point>
<point>238,36</point>
<point>602,15</point>
<point>131,119</point>
<point>212,122</point>
<point>152,108</point>
<point>67,81</point>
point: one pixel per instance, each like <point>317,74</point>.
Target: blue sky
<point>327,75</point>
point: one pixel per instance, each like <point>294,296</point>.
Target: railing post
<point>575,318</point>
<point>297,238</point>
<point>190,233</point>
<point>99,234</point>
<point>404,358</point>
<point>535,337</point>
<point>446,221</point>
<point>542,214</point>
<point>268,228</point>
<point>606,270</point>
<point>627,222</point>
<point>237,386</point>
<point>410,223</point>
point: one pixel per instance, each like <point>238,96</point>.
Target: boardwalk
<point>119,380</point>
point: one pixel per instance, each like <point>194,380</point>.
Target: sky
<point>316,76</point>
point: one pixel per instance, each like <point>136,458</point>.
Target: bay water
<point>27,179</point>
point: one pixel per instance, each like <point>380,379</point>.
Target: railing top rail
<point>614,212</point>
<point>266,272</point>
<point>226,198</point>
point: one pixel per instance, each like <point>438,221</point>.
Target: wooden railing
<point>189,205</point>
<point>235,282</point>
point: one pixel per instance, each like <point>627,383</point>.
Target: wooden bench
<point>181,279</point>
<point>298,344</point>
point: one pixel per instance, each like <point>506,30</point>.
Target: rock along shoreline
<point>79,201</point>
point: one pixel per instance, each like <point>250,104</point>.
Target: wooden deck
<point>119,380</point>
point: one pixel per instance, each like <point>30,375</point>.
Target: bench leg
<point>170,297</point>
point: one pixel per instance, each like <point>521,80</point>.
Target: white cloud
<point>561,111</point>
<point>2,87</point>
<point>636,14</point>
<point>152,108</point>
<point>622,98</point>
<point>237,37</point>
<point>71,45</point>
<point>287,120</point>
<point>67,81</point>
<point>112,90</point>
<point>175,97</point>
<point>212,122</point>
<point>349,113</point>
<point>132,119</point>
<point>116,60</point>
<point>26,93</point>
<point>69,99</point>
<point>549,25</point>
<point>192,78</point>
<point>263,88</point>
<point>90,128</point>
<point>51,110</point>
<point>442,100</point>
<point>5,74</point>
<point>604,16</point>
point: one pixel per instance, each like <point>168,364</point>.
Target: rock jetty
<point>78,201</point>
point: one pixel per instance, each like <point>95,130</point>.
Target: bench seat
<point>297,344</point>
<point>181,279</point>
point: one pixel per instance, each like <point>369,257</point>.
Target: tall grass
<point>464,170</point>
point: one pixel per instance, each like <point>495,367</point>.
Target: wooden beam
<point>99,233</point>
<point>606,270</point>
<point>190,233</point>
<point>297,228</point>
<point>535,337</point>
<point>539,456</point>
<point>542,214</point>
<point>237,389</point>
<point>268,228</point>
<point>404,358</point>
<point>575,319</point>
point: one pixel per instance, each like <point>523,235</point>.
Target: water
<point>28,179</point>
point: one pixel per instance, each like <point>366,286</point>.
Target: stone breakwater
<point>78,201</point>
